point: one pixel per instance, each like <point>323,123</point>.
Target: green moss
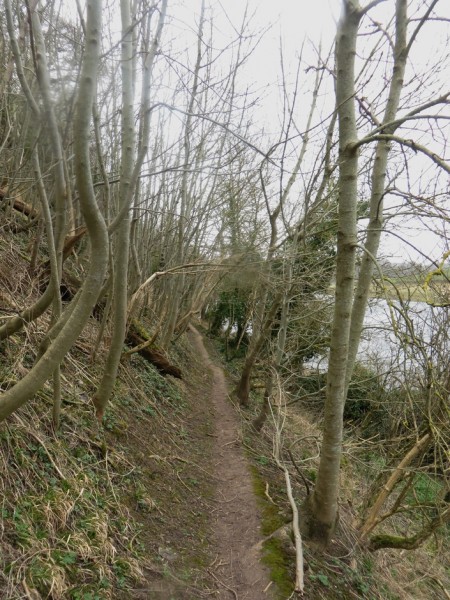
<point>276,560</point>
<point>426,490</point>
<point>274,556</point>
<point>271,519</point>
<point>141,330</point>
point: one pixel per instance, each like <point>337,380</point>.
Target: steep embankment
<point>145,506</point>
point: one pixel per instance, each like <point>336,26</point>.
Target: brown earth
<point>236,568</point>
<point>203,538</point>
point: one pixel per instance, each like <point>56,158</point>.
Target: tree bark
<point>321,507</point>
<point>372,518</point>
<point>378,184</point>
<point>43,369</point>
<point>122,242</point>
<point>243,387</point>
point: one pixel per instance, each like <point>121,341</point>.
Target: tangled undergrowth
<point>348,570</point>
<point>98,512</point>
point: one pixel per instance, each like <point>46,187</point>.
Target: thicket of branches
<point>138,160</point>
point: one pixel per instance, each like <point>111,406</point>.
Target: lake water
<point>400,340</point>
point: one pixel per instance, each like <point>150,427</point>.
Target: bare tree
<point>75,318</point>
<point>322,506</point>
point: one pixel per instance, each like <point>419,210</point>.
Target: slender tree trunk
<point>43,369</point>
<point>55,276</point>
<point>279,354</point>
<point>321,508</point>
<point>243,387</point>
<point>122,243</point>
<point>56,240</point>
<point>130,169</point>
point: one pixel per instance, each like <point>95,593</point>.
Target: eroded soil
<point>236,568</point>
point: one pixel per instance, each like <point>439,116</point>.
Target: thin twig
<point>38,439</point>
<point>266,493</point>
<point>224,585</point>
<point>305,481</point>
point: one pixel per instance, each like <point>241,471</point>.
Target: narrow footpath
<point>237,567</point>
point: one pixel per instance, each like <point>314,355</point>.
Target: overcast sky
<point>289,23</point>
<point>293,21</point>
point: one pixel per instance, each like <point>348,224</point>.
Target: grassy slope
<point>106,514</point>
<point>96,513</point>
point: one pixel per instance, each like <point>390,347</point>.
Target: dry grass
<point>95,512</point>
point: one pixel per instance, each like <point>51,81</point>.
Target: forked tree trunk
<point>378,185</point>
<point>45,367</point>
<point>321,507</point>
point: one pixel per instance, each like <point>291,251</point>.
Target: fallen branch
<point>152,355</point>
<point>173,271</point>
<point>299,567</point>
<point>223,584</point>
<point>373,518</point>
<point>19,205</point>
<point>267,495</point>
<point>299,563</point>
<point>305,481</point>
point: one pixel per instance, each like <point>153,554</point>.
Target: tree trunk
<point>243,387</point>
<point>130,169</point>
<point>321,507</point>
<point>43,369</point>
<point>121,246</point>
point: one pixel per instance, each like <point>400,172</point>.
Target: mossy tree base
<point>314,530</point>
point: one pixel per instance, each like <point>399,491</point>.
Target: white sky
<point>293,21</point>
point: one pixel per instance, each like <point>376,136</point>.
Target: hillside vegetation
<point>123,510</point>
<point>224,279</point>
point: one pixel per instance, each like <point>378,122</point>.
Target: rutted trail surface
<point>235,519</point>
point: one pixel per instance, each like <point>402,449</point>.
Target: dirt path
<point>237,568</point>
